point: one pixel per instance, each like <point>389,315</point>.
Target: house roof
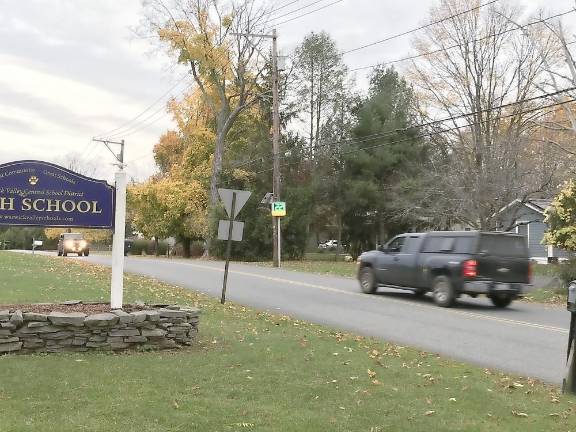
<point>538,205</point>
<point>541,203</point>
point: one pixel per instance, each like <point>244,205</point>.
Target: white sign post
<point>36,243</point>
<point>117,288</point>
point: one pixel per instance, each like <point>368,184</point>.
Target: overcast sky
<point>73,69</point>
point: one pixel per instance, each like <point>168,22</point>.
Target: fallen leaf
<point>371,373</point>
<point>452,399</point>
<point>519,414</point>
<point>429,413</point>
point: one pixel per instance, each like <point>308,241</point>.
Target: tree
<point>92,235</point>
<point>74,162</point>
<point>470,66</point>
<point>207,37</point>
<point>175,202</point>
<point>385,150</point>
<point>22,237</point>
<point>319,76</point>
<point>169,206</point>
<point>561,219</point>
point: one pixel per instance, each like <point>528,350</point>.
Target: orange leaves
<point>92,235</point>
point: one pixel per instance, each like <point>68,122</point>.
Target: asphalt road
<point>526,339</point>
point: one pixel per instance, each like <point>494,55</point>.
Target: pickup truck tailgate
<point>503,258</point>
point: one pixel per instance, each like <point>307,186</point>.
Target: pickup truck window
<point>445,244</point>
<point>410,245</point>
<point>503,245</point>
<point>396,244</point>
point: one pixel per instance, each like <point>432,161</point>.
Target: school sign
<point>35,193</point>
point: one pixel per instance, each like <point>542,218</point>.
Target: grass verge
<point>249,371</point>
<point>333,268</point>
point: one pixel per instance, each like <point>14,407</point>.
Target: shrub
<point>197,249</point>
<point>141,246</point>
<point>567,271</point>
<point>138,247</point>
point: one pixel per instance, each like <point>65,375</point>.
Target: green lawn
<point>545,269</point>
<point>250,371</point>
<point>334,268</point>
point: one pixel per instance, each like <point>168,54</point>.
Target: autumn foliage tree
<point>561,219</point>
<point>175,201</point>
<point>207,37</point>
<point>92,235</point>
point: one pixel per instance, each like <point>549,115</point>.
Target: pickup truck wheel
<point>501,301</point>
<point>443,292</point>
<point>367,280</point>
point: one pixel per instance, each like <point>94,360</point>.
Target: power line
<point>311,12</point>
<point>140,124</point>
<point>380,135</point>
<point>284,6</point>
<point>296,10</point>
<point>123,126</point>
<point>146,126</point>
<point>389,38</point>
<point>430,134</point>
<point>139,158</point>
<point>464,44</point>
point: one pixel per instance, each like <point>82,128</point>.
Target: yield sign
<point>241,198</point>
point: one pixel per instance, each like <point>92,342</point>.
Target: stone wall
<point>153,328</point>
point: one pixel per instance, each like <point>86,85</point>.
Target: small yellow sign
<point>279,209</point>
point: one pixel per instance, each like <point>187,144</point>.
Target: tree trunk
<point>318,112</point>
<point>216,171</point>
<point>156,249</point>
<point>312,111</point>
<point>339,236</point>
<point>186,247</point>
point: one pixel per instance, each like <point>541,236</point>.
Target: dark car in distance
<point>128,243</point>
<point>450,264</point>
<point>73,243</point>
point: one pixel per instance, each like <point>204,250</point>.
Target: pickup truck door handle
<point>396,258</point>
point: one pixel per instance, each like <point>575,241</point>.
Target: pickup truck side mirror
<point>383,249</point>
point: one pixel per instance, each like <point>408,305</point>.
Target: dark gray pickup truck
<point>450,264</point>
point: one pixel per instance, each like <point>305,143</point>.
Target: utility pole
<point>276,177</point>
<point>117,282</point>
<point>276,181</point>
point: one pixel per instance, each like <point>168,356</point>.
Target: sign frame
<point>36,170</point>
